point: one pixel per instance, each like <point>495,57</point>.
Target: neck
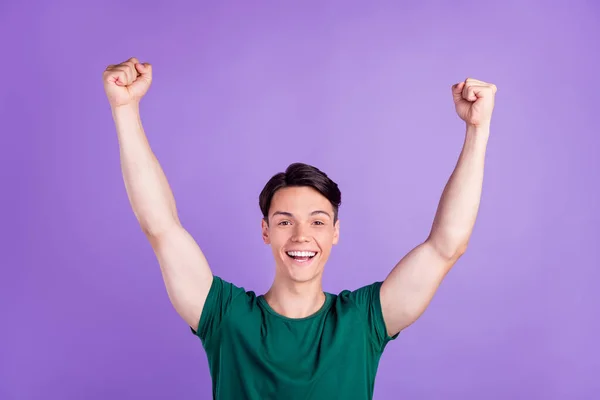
<point>295,299</point>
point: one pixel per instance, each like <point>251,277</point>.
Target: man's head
<point>300,220</point>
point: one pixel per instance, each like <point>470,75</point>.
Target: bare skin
<point>412,283</point>
<point>184,268</point>
<point>300,219</point>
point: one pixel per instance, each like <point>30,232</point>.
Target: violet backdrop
<point>240,91</point>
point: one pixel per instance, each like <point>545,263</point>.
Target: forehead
<point>299,199</point>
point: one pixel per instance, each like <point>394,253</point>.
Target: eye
<point>319,223</point>
<point>284,223</point>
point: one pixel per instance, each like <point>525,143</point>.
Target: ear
<point>336,232</point>
<point>265,231</point>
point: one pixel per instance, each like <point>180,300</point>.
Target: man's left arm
<point>412,283</point>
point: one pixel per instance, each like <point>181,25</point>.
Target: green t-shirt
<point>256,354</point>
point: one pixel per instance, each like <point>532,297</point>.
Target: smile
<point>301,256</point>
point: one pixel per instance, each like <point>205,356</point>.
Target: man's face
<point>301,232</point>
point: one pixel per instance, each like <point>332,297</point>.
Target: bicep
<point>185,271</point>
<point>411,285</point>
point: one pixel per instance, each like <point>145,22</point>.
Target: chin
<point>302,271</point>
<point>304,276</point>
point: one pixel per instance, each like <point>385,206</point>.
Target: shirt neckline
<point>324,307</point>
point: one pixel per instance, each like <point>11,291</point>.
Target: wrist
<point>477,136</point>
<point>479,130</point>
<point>126,110</point>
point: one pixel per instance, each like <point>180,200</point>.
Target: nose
<point>300,235</point>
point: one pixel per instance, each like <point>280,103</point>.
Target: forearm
<point>147,187</point>
<point>459,203</point>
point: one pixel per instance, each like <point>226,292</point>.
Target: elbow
<point>453,253</point>
<point>448,250</point>
<point>155,231</point>
<point>460,250</point>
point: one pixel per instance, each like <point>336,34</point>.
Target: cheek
<point>278,238</point>
<point>325,240</point>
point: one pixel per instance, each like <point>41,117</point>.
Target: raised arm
<point>185,270</point>
<point>412,283</point>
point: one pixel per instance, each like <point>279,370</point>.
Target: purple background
<point>241,91</point>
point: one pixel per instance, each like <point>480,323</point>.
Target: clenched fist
<point>474,101</point>
<point>127,83</point>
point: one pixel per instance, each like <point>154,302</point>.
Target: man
<point>296,341</point>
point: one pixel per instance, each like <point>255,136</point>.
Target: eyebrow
<point>290,215</point>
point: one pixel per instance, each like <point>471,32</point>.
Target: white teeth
<point>301,253</point>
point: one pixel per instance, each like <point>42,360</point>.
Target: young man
<point>296,341</point>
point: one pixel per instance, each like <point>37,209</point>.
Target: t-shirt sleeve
<point>220,298</point>
<point>367,300</point>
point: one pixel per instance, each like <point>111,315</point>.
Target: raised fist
<point>127,83</point>
<point>474,101</point>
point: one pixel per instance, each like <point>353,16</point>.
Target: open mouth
<point>301,256</point>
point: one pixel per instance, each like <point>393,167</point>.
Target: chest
<point>328,357</point>
<point>300,348</point>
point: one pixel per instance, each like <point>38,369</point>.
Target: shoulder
<point>225,301</point>
<point>362,296</point>
<point>224,293</point>
<point>364,304</point>
<point>362,300</point>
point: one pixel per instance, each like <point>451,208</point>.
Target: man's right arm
<point>184,268</point>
